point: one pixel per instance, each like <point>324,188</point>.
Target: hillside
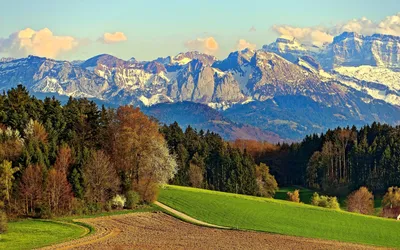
<point>282,217</point>
<point>204,118</point>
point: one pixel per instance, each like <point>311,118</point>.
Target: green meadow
<point>279,216</point>
<point>30,233</point>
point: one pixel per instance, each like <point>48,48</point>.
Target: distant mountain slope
<point>203,117</point>
<point>296,116</point>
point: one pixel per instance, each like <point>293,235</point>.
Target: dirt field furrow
<point>161,231</point>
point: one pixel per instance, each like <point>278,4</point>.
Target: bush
<point>43,211</point>
<point>132,199</point>
<point>294,196</point>
<point>361,201</point>
<point>118,201</point>
<point>324,201</point>
<point>3,222</point>
<point>92,208</point>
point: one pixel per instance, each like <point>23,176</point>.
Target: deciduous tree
<point>101,179</point>
<point>6,179</point>
<point>361,201</point>
<point>267,185</point>
<point>58,192</point>
<point>32,188</point>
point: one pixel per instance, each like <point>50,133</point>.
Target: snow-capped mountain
<point>354,79</point>
<point>352,49</point>
<point>347,49</point>
<point>290,48</point>
<point>369,64</point>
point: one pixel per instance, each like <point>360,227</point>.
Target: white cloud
<point>243,44</point>
<point>116,37</point>
<point>41,43</point>
<point>315,36</point>
<point>390,25</point>
<point>206,45</point>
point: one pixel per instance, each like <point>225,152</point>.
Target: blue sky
<point>159,28</point>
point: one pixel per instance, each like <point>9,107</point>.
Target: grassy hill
<point>277,216</point>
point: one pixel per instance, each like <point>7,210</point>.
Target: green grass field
<point>306,194</point>
<point>33,233</point>
<point>28,234</point>
<point>283,217</point>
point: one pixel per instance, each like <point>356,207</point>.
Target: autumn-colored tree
<point>6,179</point>
<point>294,196</point>
<point>361,201</point>
<point>392,198</point>
<point>64,159</point>
<point>140,152</point>
<point>36,131</point>
<point>11,144</point>
<point>156,168</point>
<point>58,192</point>
<point>267,185</point>
<point>101,179</point>
<point>255,148</point>
<point>31,188</point>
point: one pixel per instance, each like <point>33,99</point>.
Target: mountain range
<point>281,92</point>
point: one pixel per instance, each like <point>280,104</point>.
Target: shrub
<point>132,199</point>
<point>333,203</point>
<point>118,201</point>
<point>294,196</point>
<point>361,201</point>
<point>324,201</point>
<point>3,222</point>
<point>93,207</point>
<point>43,211</point>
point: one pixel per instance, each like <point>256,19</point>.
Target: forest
<point>79,158</point>
<point>336,162</point>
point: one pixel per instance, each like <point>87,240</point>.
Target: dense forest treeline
<point>337,162</point>
<point>205,160</point>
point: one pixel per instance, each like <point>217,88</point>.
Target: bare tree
<point>58,192</point>
<point>196,175</point>
<point>101,179</point>
<point>32,188</point>
<point>64,158</point>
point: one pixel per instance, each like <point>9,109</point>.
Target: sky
<point>80,29</point>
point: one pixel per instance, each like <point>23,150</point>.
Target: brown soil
<point>161,231</point>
